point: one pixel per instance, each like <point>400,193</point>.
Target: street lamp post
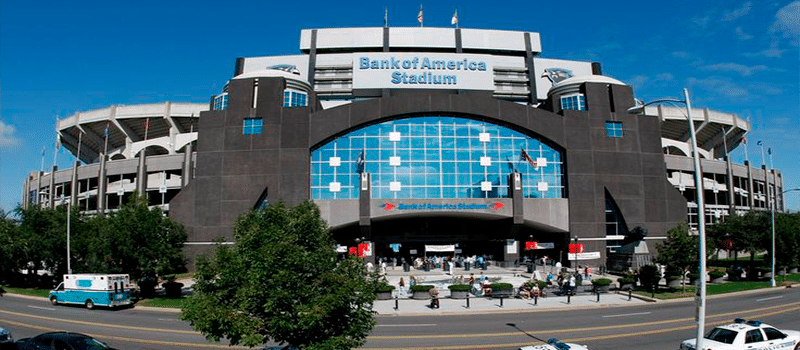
<point>701,213</point>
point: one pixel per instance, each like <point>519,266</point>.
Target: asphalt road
<point>652,326</point>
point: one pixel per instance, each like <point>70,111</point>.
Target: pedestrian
<point>434,297</point>
<point>572,284</point>
<point>471,279</point>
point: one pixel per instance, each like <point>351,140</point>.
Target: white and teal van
<point>93,290</point>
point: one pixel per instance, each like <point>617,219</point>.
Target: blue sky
<point>58,58</point>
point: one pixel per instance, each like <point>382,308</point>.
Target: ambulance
<point>90,290</point>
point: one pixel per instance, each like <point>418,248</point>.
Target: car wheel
<point>89,304</point>
<point>53,300</point>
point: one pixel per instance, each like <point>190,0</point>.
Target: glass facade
<point>252,126</point>
<point>576,102</point>
<point>614,129</point>
<point>435,157</point>
<point>221,102</point>
<point>294,99</point>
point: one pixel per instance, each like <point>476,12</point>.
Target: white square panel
<point>541,162</point>
<point>486,186</point>
<point>335,161</point>
<point>394,136</point>
<point>394,186</point>
<point>394,161</point>
<point>542,186</point>
<point>484,137</point>
<point>486,161</point>
<point>335,186</point>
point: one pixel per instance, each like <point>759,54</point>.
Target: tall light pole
<point>701,212</point>
<point>69,208</point>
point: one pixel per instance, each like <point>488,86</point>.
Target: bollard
<point>598,295</point>
<point>467,300</point>
<point>629,294</point>
<point>501,301</point>
<point>568,295</point>
<point>535,300</point>
<point>396,306</point>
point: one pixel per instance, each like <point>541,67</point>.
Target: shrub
<point>716,274</point>
<point>421,288</point>
<point>501,286</point>
<point>693,276</point>
<point>601,282</point>
<point>625,280</point>
<point>459,288</point>
<point>385,288</point>
<point>649,276</point>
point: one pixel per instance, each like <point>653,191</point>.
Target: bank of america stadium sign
<point>387,206</point>
<point>422,71</point>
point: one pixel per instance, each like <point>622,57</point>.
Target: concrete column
<point>767,195</point>
<point>515,189</point>
<point>731,187</point>
<point>751,190</point>
<point>39,188</point>
<point>187,165</point>
<point>52,201</point>
<point>73,192</point>
<point>141,173</point>
<point>101,186</point>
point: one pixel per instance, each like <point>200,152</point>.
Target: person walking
<point>434,297</point>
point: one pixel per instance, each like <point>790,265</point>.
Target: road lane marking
<point>573,340</point>
<point>167,319</point>
<point>99,324</point>
<point>789,307</point>
<point>408,325</point>
<point>42,308</point>
<point>633,314</point>
<point>770,298</point>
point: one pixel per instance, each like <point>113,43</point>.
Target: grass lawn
<point>162,302</point>
<point>28,291</point>
<point>716,288</point>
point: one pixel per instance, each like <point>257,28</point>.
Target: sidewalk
<point>515,275</point>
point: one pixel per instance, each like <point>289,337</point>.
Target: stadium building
<point>418,141</point>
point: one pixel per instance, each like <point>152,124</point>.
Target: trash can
<point>530,267</point>
<point>466,266</point>
<point>427,267</point>
<point>405,267</point>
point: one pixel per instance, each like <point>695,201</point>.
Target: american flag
<point>419,16</point>
<point>360,162</point>
<point>524,156</point>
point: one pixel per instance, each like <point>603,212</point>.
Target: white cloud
<point>8,138</point>
<point>742,35</point>
<point>664,77</point>
<point>739,12</point>
<point>638,81</point>
<point>701,22</point>
<point>735,67</point>
<point>720,87</point>
<point>682,54</point>
<point>772,52</point>
<point>787,21</point>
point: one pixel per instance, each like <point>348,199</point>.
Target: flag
<point>106,131</point>
<point>43,151</point>
<point>419,16</point>
<point>769,150</point>
<point>524,156</point>
<point>360,163</point>
<point>386,17</point>
<point>454,21</point>
<point>758,143</point>
<point>744,140</point>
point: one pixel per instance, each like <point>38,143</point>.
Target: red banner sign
<point>576,248</point>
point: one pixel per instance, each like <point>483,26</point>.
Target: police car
<point>749,335</point>
<point>554,344</point>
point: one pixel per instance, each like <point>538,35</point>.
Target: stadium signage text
<point>415,71</point>
<point>433,206</point>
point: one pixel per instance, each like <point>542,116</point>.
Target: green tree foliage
<point>281,281</point>
<point>649,275</point>
<point>787,240</point>
<point>749,233</point>
<point>134,240</point>
<point>679,251</point>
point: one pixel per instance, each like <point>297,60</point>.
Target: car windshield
<point>721,335</point>
<point>88,344</point>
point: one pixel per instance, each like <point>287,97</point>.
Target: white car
<point>554,344</point>
<point>746,335</point>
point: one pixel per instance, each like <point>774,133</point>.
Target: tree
<point>9,240</point>
<point>281,281</point>
<point>136,240</point>
<point>679,251</point>
<point>749,233</point>
<point>649,275</point>
<point>787,240</point>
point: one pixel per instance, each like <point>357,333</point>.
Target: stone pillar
<point>731,187</point>
<point>101,187</point>
<point>52,201</point>
<point>751,190</point>
<point>187,165</point>
<point>73,192</point>
<point>141,174</point>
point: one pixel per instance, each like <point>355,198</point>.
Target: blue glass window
<point>221,102</point>
<point>576,102</point>
<point>294,99</point>
<point>439,157</point>
<point>614,129</point>
<point>252,126</point>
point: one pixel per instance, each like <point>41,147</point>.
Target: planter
<point>502,293</point>
<point>601,288</point>
<point>626,286</point>
<point>675,283</point>
<point>459,294</point>
<point>767,274</point>
<point>383,295</point>
<point>421,295</point>
<point>793,270</point>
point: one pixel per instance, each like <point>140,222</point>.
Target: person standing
<point>434,297</point>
